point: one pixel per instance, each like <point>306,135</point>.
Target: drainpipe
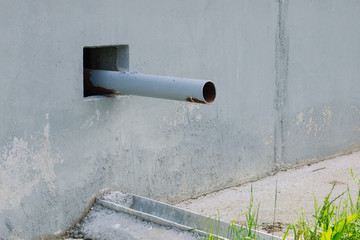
<point>102,82</point>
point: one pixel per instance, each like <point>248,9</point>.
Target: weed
<point>235,232</point>
<point>275,203</point>
<point>331,222</point>
<point>252,216</point>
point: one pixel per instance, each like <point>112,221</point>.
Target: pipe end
<point>209,92</point>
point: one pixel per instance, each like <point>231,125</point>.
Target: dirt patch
<point>276,227</point>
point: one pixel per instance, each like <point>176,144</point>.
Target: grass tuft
<point>235,232</point>
<point>330,221</point>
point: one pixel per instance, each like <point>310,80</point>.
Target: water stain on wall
<point>185,113</point>
<point>314,121</point>
<point>24,165</point>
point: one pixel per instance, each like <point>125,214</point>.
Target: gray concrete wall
<point>287,81</point>
<point>323,82</point>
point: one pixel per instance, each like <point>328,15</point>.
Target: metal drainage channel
<point>167,215</point>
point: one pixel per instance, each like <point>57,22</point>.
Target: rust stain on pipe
<point>195,100</point>
<point>90,89</point>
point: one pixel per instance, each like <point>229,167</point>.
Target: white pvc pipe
<point>125,83</point>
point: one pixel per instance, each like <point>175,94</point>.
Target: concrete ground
<point>296,189</point>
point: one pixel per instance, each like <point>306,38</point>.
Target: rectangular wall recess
<point>113,58</point>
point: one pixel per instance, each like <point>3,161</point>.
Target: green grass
<point>330,221</point>
<point>235,232</point>
<point>247,230</point>
<point>337,218</point>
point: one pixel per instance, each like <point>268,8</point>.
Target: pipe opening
<point>110,58</point>
<point>209,92</point>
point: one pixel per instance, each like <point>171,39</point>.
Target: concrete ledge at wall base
<point>300,163</point>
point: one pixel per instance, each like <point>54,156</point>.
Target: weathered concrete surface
<point>286,76</point>
<point>323,114</point>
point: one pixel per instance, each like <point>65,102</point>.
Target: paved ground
<point>296,188</point>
